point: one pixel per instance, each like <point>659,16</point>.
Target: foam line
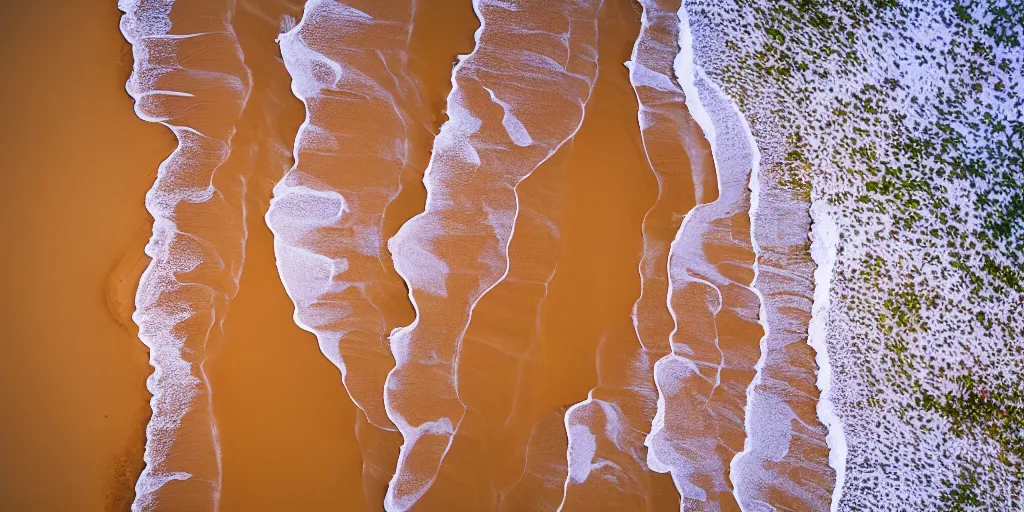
<point>196,263</point>
<point>762,316</point>
<point>606,431</point>
<point>781,437</point>
<point>699,414</point>
<point>328,212</point>
<point>495,377</point>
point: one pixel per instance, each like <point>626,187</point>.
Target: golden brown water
<point>278,405</point>
<point>76,164</point>
<point>273,426</point>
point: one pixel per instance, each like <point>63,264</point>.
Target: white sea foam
<point>768,418</point>
<point>778,438</point>
<point>195,265</point>
<point>758,421</point>
<point>605,432</point>
<point>478,161</point>
<point>772,422</point>
<point>824,244</point>
<point>349,66</point>
<point>496,367</point>
<point>516,131</point>
<point>582,448</point>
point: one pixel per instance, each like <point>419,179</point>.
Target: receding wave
<point>496,370</point>
<point>517,98</point>
<point>188,75</point>
<point>348,62</point>
<point>785,461</point>
<point>540,487</point>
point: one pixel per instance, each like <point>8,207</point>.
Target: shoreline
<point>691,74</point>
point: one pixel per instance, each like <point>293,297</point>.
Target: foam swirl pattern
<point>188,75</point>
<point>516,99</point>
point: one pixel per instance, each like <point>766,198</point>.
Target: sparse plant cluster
<point>907,118</point>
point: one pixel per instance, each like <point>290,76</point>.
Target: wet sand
<point>76,164</point>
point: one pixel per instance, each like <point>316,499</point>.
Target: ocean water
<point>591,255</point>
